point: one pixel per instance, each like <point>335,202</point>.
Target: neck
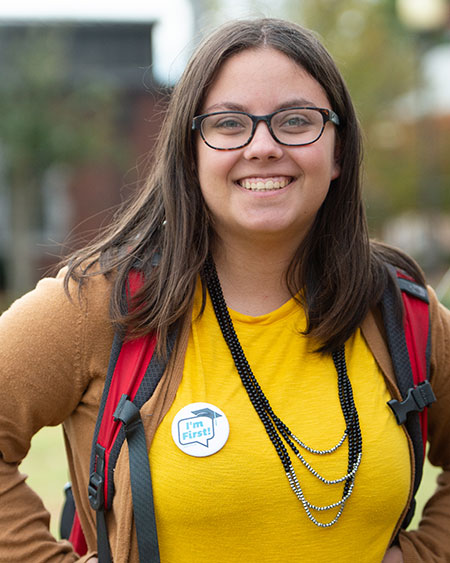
<point>253,276</point>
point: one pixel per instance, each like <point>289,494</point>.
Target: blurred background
<point>83,90</point>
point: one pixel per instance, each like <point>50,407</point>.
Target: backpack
<point>134,372</point>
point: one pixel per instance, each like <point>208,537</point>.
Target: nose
<point>263,146</point>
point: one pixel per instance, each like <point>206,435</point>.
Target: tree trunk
<point>20,271</point>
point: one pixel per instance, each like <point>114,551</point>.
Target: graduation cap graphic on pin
<point>207,412</point>
<point>200,429</point>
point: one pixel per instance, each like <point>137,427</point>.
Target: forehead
<point>261,80</point>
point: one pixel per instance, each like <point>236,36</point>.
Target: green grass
<point>47,470</point>
<point>427,488</point>
<point>46,467</point>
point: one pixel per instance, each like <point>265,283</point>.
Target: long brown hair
<point>342,272</point>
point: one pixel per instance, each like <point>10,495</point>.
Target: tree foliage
<point>405,163</point>
<point>47,117</point>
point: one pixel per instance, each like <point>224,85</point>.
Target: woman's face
<point>294,180</point>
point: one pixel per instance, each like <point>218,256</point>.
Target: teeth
<point>261,186</point>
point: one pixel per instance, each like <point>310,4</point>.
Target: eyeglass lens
<point>227,130</point>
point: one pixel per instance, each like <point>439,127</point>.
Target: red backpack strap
<point>416,324</point>
<point>409,340</point>
<point>134,372</point>
<point>77,538</point>
<point>128,363</point>
<point>413,375</point>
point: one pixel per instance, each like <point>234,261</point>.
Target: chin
<point>275,230</point>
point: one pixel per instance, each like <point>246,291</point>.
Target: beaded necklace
<point>276,429</point>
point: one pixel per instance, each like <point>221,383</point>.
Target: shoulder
<point>51,303</point>
<point>439,412</point>
<point>51,321</point>
<point>55,346</point>
<point>440,334</point>
<point>384,255</point>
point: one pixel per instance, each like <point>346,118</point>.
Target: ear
<point>336,170</point>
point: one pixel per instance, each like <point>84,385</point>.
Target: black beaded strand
<point>349,410</point>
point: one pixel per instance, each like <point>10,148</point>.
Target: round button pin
<point>200,429</point>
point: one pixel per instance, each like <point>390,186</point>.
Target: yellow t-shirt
<point>237,505</point>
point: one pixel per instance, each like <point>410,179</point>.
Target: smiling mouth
<point>265,184</point>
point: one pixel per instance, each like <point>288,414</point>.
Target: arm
<point>41,382</point>
<point>393,555</point>
<point>431,541</point>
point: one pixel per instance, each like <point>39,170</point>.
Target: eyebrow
<point>230,106</point>
<point>297,102</point>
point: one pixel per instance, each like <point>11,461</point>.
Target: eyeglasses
<point>294,127</point>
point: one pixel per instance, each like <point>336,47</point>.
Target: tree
<point>45,119</point>
<point>378,60</point>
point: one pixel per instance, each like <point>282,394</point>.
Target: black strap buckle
<point>416,400</point>
<point>127,413</point>
<point>97,480</point>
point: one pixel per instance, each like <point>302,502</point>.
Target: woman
<point>254,203</point>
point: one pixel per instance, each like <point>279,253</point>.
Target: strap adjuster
<point>96,493</point>
<point>127,413</point>
<point>416,400</point>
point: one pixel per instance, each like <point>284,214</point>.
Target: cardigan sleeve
<point>42,380</point>
<point>431,541</point>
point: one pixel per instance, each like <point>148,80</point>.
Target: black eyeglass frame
<point>327,115</point>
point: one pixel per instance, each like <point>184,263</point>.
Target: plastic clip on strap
<point>97,502</point>
<point>417,399</point>
<point>413,385</point>
<point>141,484</point>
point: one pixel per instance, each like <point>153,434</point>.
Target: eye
<point>226,124</point>
<point>229,124</point>
<point>294,121</point>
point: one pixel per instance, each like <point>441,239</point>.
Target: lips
<point>256,184</point>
